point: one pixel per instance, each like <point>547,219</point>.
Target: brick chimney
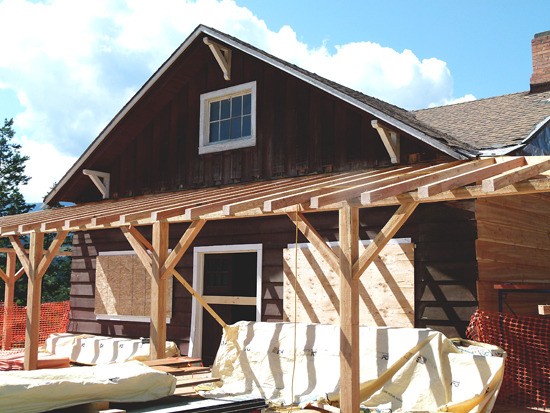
<point>540,79</point>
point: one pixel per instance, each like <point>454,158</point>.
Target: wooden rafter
<point>516,175</point>
<point>354,187</point>
<point>429,174</point>
<point>384,236</point>
<point>466,178</point>
<point>316,240</point>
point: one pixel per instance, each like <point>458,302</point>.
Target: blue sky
<point>70,65</point>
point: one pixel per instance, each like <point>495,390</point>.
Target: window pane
<point>235,128</point>
<point>224,130</point>
<point>214,111</point>
<point>247,130</point>
<point>247,104</point>
<point>236,104</point>
<point>214,132</point>
<point>226,109</point>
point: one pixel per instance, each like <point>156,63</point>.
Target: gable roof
<point>496,125</point>
<point>392,115</point>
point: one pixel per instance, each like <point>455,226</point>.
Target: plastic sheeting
<point>43,390</point>
<point>92,350</point>
<point>401,369</point>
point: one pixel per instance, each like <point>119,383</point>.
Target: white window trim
<point>195,342</point>
<point>125,317</point>
<point>204,122</point>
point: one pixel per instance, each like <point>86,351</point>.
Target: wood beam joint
<point>100,179</point>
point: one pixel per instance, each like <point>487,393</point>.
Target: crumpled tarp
<point>43,390</point>
<point>401,369</point>
<point>90,349</point>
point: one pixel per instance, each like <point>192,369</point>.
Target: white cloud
<point>73,65</point>
<point>43,157</point>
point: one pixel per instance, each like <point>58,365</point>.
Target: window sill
<point>228,145</point>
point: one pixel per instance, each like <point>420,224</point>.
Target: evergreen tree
<point>12,173</point>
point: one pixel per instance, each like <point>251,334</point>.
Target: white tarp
<point>402,369</point>
<point>43,390</point>
<point>90,349</point>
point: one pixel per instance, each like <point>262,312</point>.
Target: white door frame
<point>195,342</point>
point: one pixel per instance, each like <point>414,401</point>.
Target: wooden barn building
<point>228,157</point>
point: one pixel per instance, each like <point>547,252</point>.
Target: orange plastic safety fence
<point>526,340</point>
<point>54,318</point>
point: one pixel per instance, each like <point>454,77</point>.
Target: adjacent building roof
<point>495,123</point>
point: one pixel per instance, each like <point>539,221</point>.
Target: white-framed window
<point>228,119</point>
<point>123,288</point>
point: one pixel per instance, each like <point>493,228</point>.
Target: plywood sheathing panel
<point>123,287</point>
<point>386,289</point>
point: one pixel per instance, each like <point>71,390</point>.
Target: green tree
<point>56,281</point>
<point>12,173</point>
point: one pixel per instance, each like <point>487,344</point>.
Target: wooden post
<point>9,291</point>
<point>33,301</point>
<point>349,310</point>
<point>158,290</point>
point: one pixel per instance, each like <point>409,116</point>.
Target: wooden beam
<point>33,301</point>
<point>517,175</point>
<point>181,247</point>
<point>139,248</point>
<point>354,188</point>
<point>198,297</point>
<point>430,174</point>
<point>315,239</point>
<point>21,254</point>
<point>9,293</point>
<point>349,310</point>
<point>158,291</point>
<point>469,177</point>
<point>52,252</point>
<point>386,233</point>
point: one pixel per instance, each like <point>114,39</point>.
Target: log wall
<point>513,246</point>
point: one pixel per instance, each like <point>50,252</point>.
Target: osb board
<point>123,287</point>
<point>386,288</point>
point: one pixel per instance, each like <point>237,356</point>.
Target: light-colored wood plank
<point>352,188</point>
<point>466,178</point>
<point>34,289</point>
<point>512,254</point>
<point>9,293</point>
<point>51,253</point>
<point>290,198</point>
<point>349,309</point>
<point>199,298</point>
<point>181,247</point>
<point>139,249</point>
<point>383,237</point>
<point>316,240</point>
<point>544,309</point>
<point>513,235</point>
<point>517,175</point>
<point>431,174</point>
<point>158,291</point>
<point>217,299</point>
<point>21,254</point>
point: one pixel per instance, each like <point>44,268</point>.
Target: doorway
<point>229,279</point>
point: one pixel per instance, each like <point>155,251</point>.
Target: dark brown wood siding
<point>445,267</point>
<point>300,130</point>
